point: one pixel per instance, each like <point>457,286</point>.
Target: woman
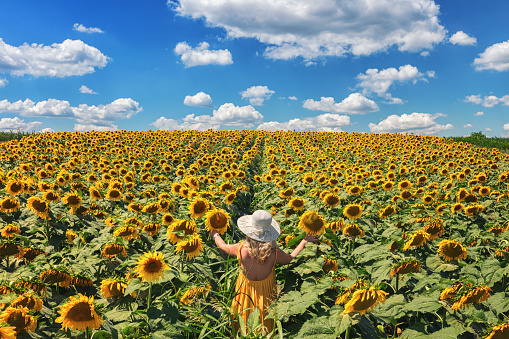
<point>257,256</point>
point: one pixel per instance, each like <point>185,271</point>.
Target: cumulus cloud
<point>7,124</point>
<point>495,57</point>
<point>468,126</point>
<point>92,127</point>
<point>479,114</point>
<point>101,115</point>
<point>379,82</point>
<point>3,82</point>
<point>200,99</point>
<point>257,94</point>
<point>355,103</point>
<point>201,55</point>
<point>227,114</point>
<point>84,89</point>
<point>313,29</point>
<point>487,101</point>
<point>461,38</point>
<point>328,122</point>
<point>71,57</point>
<point>292,97</point>
<point>487,129</point>
<point>417,123</point>
<point>83,29</point>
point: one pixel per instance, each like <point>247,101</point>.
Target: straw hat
<point>259,226</point>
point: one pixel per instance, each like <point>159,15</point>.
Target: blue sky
<point>419,66</point>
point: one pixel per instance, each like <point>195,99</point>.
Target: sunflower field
<point>107,234</point>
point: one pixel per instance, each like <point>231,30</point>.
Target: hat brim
<point>244,223</point>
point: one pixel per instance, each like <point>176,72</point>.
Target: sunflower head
<point>19,318</point>
<point>364,300</point>
<point>218,220</point>
<point>151,266</point>
<point>331,200</point>
<point>112,250</point>
<point>79,314</point>
<point>113,288</point>
<point>418,239</point>
<point>352,211</point>
<point>312,223</point>
<point>407,266</point>
<point>191,245</point>
<point>451,250</point>
<point>297,203</point>
<point>353,230</point>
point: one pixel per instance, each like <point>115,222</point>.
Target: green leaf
<point>491,271</point>
<point>313,265</point>
<point>320,327</point>
<point>117,315</point>
<point>499,302</point>
<point>424,304</point>
<point>392,309</point>
<point>296,240</point>
<point>101,335</point>
<point>134,285</point>
<point>452,332</point>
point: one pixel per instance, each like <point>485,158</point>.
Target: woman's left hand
<point>213,233</point>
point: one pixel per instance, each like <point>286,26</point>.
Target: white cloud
<point>417,123</point>
<point>201,55</point>
<point>487,101</point>
<point>83,29</point>
<point>200,99</point>
<point>227,114</point>
<point>171,124</point>
<point>355,103</point>
<point>47,129</point>
<point>92,127</point>
<point>479,114</point>
<point>313,29</point>
<point>380,81</point>
<point>84,89</point>
<point>257,94</point>
<point>424,53</point>
<point>71,57</point>
<point>101,115</point>
<point>468,126</point>
<point>16,123</point>
<point>292,97</point>
<point>325,122</point>
<point>495,57</point>
<point>461,38</point>
<point>3,82</point>
<point>487,129</point>
<point>506,127</point>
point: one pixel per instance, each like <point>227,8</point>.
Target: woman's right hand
<point>310,238</point>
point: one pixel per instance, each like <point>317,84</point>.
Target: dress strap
<point>238,254</point>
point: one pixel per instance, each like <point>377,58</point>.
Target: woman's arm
<point>284,258</point>
<point>228,249</point>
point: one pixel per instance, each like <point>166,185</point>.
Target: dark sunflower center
<point>313,222</point>
<point>9,204</point>
<point>153,266</point>
<point>452,250</point>
<point>80,312</point>
<point>40,206</point>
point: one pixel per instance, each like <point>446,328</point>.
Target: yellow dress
<point>260,292</point>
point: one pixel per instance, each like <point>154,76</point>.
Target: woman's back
<point>252,269</point>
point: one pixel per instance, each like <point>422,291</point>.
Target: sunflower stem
<point>149,295</point>
<point>397,282</point>
<point>347,335</point>
<point>87,334</point>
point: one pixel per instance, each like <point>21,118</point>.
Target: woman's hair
<point>260,250</point>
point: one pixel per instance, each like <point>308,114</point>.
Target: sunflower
<point>135,207</point>
<point>335,226</point>
<point>388,185</point>
<point>192,245</point>
<point>167,219</point>
<point>451,250</point>
<point>72,199</point>
<point>166,205</point>
<point>79,314</point>
<point>404,185</point>
<point>9,231</point>
<point>152,208</point>
<point>71,235</point>
<point>457,207</point>
<point>331,200</point>
<point>29,301</point>
<point>497,230</point>
<point>176,187</point>
<point>217,219</point>
<point>418,239</point>
<point>56,276</point>
<point>11,248</point>
<point>134,222</point>
<point>19,318</point>
<point>152,228</point>
<point>352,211</point>
<point>312,223</point>
<point>113,288</point>
<point>192,293</point>
<point>473,209</point>
<point>179,225</point>
<point>112,250</point>
<point>7,332</point>
<point>151,266</point>
<point>387,211</point>
<point>405,195</point>
<point>363,300</point>
<point>8,205</point>
<point>475,295</point>
<point>30,253</point>
<point>394,246</point>
<point>461,194</point>
<point>127,232</point>
<point>14,187</point>
<point>353,230</point>
<point>33,284</point>
<point>297,203</point>
<point>113,194</point>
<point>428,199</point>
<point>408,266</point>
<point>499,332</point>
<point>331,265</point>
<point>287,193</point>
<point>355,190</point>
<point>435,228</point>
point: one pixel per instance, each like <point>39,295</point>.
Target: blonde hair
<point>260,250</point>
